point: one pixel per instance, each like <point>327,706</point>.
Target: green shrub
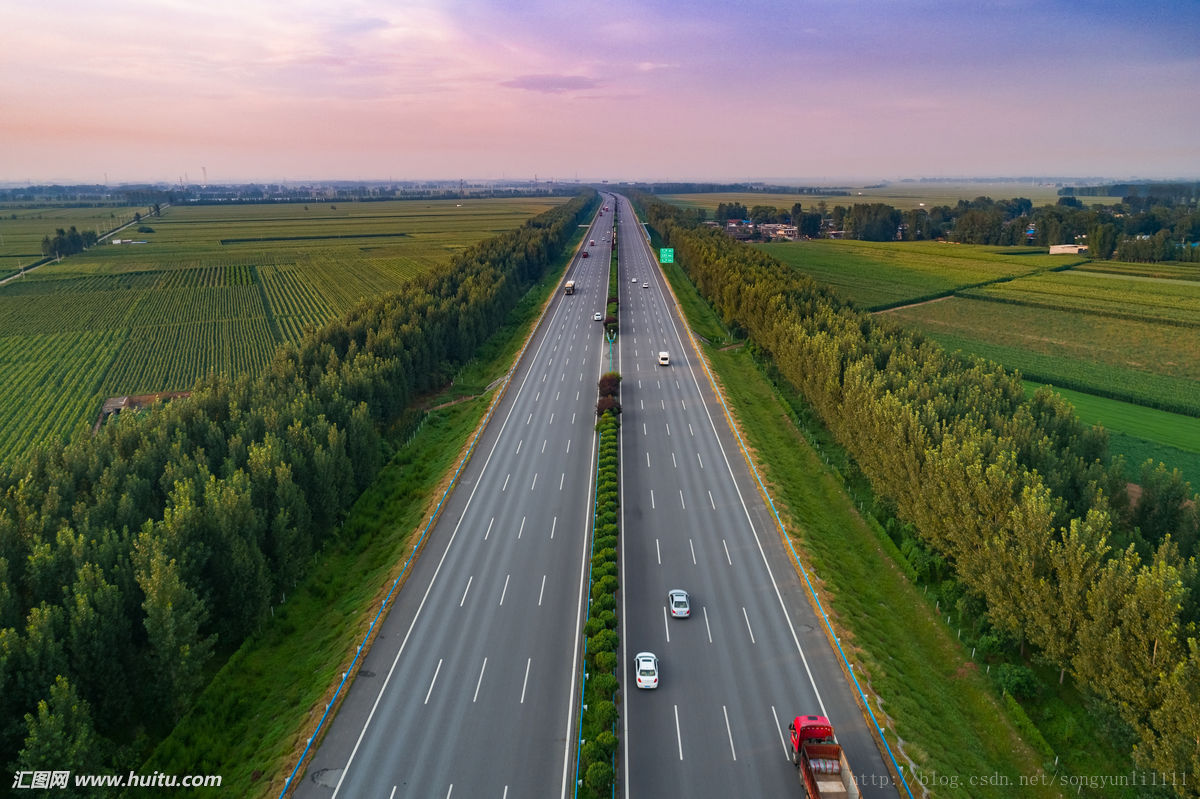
<point>606,540</point>
<point>603,602</point>
<point>607,741</point>
<point>1019,681</point>
<point>607,618</point>
<point>604,662</point>
<point>603,641</point>
<point>599,777</point>
<point>604,556</point>
<point>593,626</point>
<point>605,585</point>
<point>602,686</point>
<point>603,714</point>
<point>604,570</point>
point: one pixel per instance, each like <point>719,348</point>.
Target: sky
<point>817,92</point>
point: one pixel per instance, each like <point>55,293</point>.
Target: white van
<point>664,359</point>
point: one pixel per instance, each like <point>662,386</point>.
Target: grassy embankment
<point>949,716</point>
<point>251,722</point>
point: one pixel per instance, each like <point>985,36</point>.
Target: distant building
<point>777,231</point>
<point>1067,249</point>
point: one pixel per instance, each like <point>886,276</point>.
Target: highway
<point>470,688</point>
<point>752,655</point>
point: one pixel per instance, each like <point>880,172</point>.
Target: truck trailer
<point>569,287</point>
<point>819,760</point>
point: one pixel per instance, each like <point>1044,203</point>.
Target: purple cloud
<point>551,84</point>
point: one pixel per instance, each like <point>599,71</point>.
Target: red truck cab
<point>819,759</point>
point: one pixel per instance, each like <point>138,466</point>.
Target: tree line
<point>68,242</point>
<point>1016,495</point>
<point>1139,228</point>
<point>129,558</point>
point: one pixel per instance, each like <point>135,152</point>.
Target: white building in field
<point>1067,249</point>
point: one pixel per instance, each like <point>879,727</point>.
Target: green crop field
<point>22,228</point>
<point>1121,296</point>
<point>1045,364</point>
<point>904,195</point>
<point>212,289</point>
<point>882,274</point>
<point>1123,335</point>
<point>1168,270</point>
<point>1139,433</point>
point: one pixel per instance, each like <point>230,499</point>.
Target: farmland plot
<point>135,319</point>
<point>884,274</point>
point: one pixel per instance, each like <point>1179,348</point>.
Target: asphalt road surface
<point>752,656</point>
<point>470,689</point>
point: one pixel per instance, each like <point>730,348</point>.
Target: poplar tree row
<point>129,558</point>
<point>1019,496</point>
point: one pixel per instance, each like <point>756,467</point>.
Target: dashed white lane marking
<point>782,737</point>
<point>542,591</point>
<point>505,486</point>
<point>692,547</point>
<point>710,501</point>
<point>678,735</point>
<point>433,681</point>
<point>652,499</point>
<point>479,682</point>
<point>522,529</point>
<point>465,590</point>
<point>519,443</point>
<point>658,551</point>
<point>746,616</point>
<point>525,684</point>
<point>727,558</point>
<point>504,591</point>
<point>489,530</point>
<point>729,730</point>
<point>706,627</point>
<point>666,624</point>
<point>682,504</point>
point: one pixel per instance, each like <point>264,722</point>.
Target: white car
<point>597,316</point>
<point>645,666</point>
<point>678,602</point>
<point>633,280</point>
<point>645,285</point>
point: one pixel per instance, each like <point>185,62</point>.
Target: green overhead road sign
<point>666,255</point>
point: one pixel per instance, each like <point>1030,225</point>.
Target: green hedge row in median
<point>598,724</point>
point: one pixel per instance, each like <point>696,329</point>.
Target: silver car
<point>678,602</point>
